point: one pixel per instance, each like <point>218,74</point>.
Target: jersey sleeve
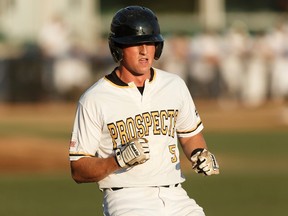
<point>85,134</point>
<point>189,122</point>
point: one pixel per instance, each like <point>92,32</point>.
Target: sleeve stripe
<point>80,155</point>
<point>190,131</point>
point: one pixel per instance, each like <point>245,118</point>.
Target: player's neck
<point>129,76</point>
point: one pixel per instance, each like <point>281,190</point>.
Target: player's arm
<point>92,169</point>
<point>202,160</point>
<point>189,144</point>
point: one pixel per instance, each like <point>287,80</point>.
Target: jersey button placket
<point>146,99</point>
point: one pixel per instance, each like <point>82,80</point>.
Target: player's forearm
<point>191,143</point>
<point>92,169</point>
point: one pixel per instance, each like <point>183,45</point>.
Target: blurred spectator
<point>66,70</point>
<point>204,74</point>
<point>255,86</point>
<point>235,45</point>
<point>175,57</point>
<point>278,41</point>
<point>71,76</point>
<point>54,38</point>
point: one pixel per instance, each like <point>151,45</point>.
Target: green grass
<point>24,129</point>
<point>47,195</point>
<point>253,181</point>
<point>58,195</point>
<point>239,195</point>
<point>250,143</point>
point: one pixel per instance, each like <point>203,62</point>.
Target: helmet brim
<point>138,39</point>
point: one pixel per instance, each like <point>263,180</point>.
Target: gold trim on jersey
<point>113,79</point>
<point>80,154</point>
<point>190,131</point>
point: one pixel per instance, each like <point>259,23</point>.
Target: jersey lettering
<point>158,122</point>
<point>139,125</point>
<point>113,133</point>
<point>163,119</point>
<point>121,128</point>
<point>172,115</point>
<point>147,122</point>
<point>172,150</point>
<point>131,127</point>
<point>155,118</point>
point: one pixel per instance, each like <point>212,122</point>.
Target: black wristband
<point>196,151</point>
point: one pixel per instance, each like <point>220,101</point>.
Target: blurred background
<point>236,50</point>
<point>233,55</point>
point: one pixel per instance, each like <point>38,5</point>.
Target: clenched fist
<point>135,152</point>
<point>204,162</point>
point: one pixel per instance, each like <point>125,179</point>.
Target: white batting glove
<point>204,162</point>
<point>135,152</point>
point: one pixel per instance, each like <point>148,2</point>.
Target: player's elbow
<point>80,175</point>
<point>78,178</point>
<point>74,173</point>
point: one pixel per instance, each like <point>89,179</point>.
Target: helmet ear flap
<point>115,51</point>
<point>158,50</point>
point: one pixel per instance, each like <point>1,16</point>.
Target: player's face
<point>138,59</point>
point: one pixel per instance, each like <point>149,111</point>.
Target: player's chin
<point>144,65</point>
<point>142,70</point>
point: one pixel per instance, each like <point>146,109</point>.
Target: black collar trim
<point>112,77</point>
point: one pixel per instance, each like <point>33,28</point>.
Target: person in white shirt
<point>127,126</point>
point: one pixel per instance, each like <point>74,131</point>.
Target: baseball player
<point>127,127</point>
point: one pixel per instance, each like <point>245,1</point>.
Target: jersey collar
<point>112,77</point>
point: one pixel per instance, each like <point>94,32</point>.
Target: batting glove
<point>204,162</point>
<point>135,152</point>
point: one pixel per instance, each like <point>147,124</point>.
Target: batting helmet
<point>134,25</point>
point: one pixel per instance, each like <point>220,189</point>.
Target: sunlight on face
<point>138,59</point>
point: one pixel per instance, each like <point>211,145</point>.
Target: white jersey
<point>111,113</point>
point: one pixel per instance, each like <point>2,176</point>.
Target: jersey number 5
<point>174,158</point>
